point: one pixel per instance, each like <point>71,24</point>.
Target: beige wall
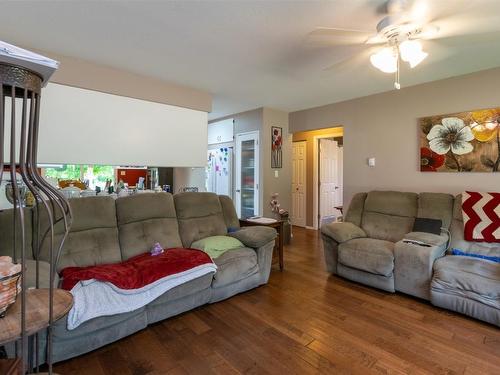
<point>308,137</point>
<point>384,126</point>
<point>271,183</point>
<point>87,75</point>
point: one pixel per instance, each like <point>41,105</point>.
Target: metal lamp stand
<point>20,101</point>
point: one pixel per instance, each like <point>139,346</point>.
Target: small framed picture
<point>276,146</point>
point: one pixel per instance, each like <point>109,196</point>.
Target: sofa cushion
<point>43,274</point>
<point>255,236</point>
<point>386,227</point>
<point>458,242</point>
<point>215,246</point>
<point>354,213</point>
<point>342,232</point>
<point>143,220</point>
<point>93,236</point>
<point>436,206</point>
<point>473,255</point>
<point>475,279</point>
<point>394,203</point>
<point>389,215</point>
<point>229,212</point>
<point>199,215</point>
<point>7,231</point>
<point>457,208</point>
<point>235,265</point>
<point>368,254</point>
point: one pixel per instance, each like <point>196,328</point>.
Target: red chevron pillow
<point>481,213</point>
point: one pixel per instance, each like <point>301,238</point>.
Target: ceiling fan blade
<point>360,58</point>
<point>336,31</point>
<point>490,37</point>
<point>338,36</point>
<point>454,21</point>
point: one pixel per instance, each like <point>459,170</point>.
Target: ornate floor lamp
<point>22,75</point>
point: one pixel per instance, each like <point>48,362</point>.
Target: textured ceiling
<point>250,53</point>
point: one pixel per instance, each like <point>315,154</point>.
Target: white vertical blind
<point>79,126</point>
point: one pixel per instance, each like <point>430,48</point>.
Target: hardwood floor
<point>304,322</point>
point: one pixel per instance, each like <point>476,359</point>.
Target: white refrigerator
<point>219,171</point>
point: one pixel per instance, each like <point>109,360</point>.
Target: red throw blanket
<point>481,213</point>
<point>138,271</point>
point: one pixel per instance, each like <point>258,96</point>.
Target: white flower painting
<point>462,142</point>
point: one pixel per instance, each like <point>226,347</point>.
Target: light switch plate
<point>371,162</point>
<point>276,174</point>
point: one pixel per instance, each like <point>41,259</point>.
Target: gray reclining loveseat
<point>105,230</point>
<point>368,248</point>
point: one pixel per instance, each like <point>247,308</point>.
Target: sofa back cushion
<point>389,215</point>
<point>93,236</point>
<point>229,212</point>
<point>354,213</point>
<point>7,233</point>
<point>199,215</point>
<point>143,220</point>
<point>457,235</point>
<point>436,206</point>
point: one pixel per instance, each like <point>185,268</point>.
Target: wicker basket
<point>10,287</point>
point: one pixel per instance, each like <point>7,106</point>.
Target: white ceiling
<point>249,53</point>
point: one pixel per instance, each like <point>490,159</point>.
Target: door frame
<point>305,183</point>
<point>252,135</point>
<point>316,139</point>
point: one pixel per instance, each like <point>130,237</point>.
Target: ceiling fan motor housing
<point>396,29</point>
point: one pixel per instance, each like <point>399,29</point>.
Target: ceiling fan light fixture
<point>411,52</point>
<point>386,60</point>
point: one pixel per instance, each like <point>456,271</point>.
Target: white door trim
<point>253,135</point>
<point>294,222</point>
<point>316,139</point>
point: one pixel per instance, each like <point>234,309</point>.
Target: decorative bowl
<point>10,287</point>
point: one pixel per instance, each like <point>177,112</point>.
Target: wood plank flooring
<point>304,322</point>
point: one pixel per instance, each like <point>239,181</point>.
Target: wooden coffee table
<point>278,246</point>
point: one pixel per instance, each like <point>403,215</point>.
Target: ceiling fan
<point>399,33</point>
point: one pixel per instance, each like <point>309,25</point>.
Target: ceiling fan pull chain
<point>397,85</point>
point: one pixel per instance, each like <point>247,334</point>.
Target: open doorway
<point>317,177</point>
<point>328,180</point>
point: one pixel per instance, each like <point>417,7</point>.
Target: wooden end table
<point>278,245</point>
<point>37,318</point>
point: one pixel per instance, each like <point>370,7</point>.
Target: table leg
<point>280,246</point>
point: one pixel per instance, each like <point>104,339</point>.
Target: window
<point>96,175</point>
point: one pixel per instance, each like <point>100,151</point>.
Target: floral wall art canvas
<point>461,142</point>
<point>276,146</point>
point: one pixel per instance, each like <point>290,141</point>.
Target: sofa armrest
<point>262,239</point>
<point>413,263</point>
<point>333,234</point>
<point>43,274</point>
<point>342,232</point>
<point>256,236</point>
<point>428,238</point>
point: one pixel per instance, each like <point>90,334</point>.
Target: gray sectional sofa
<point>368,248</point>
<point>105,230</point>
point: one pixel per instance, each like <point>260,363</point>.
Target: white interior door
<point>298,216</point>
<point>330,192</point>
<point>247,193</point>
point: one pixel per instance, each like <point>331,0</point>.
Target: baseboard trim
<point>308,227</point>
